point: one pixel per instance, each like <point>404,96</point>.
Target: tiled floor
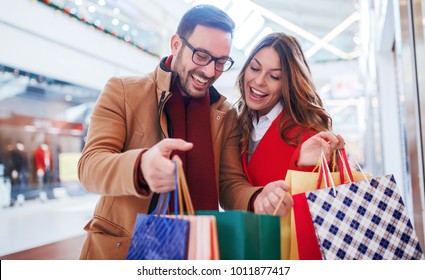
<point>37,223</point>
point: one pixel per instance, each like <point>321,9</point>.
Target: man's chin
<point>197,93</point>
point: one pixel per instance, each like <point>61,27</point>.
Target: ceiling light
<point>296,29</point>
<point>266,31</point>
<point>249,27</point>
<point>334,33</point>
<point>238,12</point>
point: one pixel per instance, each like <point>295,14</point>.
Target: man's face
<point>195,79</point>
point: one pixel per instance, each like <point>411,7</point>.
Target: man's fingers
<point>166,146</point>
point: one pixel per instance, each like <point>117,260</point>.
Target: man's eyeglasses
<point>202,58</point>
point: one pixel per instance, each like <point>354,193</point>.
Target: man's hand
<point>268,199</point>
<point>312,148</point>
<point>158,168</point>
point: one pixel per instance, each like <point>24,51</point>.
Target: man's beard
<point>184,80</point>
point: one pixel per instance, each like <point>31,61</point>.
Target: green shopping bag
<point>244,235</point>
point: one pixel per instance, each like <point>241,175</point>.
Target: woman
<point>284,125</point>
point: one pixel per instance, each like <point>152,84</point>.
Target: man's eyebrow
<point>206,51</point>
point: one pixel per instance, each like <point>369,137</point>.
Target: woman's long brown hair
<point>301,103</point>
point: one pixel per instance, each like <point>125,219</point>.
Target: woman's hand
<point>312,148</point>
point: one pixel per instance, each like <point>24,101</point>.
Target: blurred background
<point>367,61</point>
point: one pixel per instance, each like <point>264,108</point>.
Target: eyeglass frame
<point>212,58</point>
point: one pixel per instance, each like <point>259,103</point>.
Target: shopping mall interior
<point>366,58</point>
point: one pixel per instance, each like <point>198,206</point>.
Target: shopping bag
<point>363,220</point>
<point>244,235</point>
<point>301,182</point>
<point>157,237</point>
<point>203,238</point>
<point>160,237</point>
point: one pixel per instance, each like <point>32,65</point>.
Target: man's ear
<point>175,44</point>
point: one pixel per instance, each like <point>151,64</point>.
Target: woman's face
<point>263,81</point>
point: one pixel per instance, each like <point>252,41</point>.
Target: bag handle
<point>327,173</point>
<point>342,163</point>
<point>181,192</point>
<point>161,207</point>
<point>344,166</point>
<point>357,164</point>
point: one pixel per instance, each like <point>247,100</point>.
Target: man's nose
<point>209,70</point>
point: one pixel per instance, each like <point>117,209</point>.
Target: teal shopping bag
<point>244,235</point>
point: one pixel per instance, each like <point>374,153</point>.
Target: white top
<point>261,126</point>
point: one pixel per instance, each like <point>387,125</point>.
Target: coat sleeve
<point>235,191</point>
<point>104,168</point>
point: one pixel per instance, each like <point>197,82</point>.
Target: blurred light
<point>101,2</point>
<point>116,11</point>
<point>68,97</point>
<point>325,89</point>
<point>245,32</point>
<point>221,4</point>
<point>115,21</point>
<point>77,2</point>
<point>134,32</point>
<point>356,39</point>
<point>29,128</point>
<point>238,12</point>
<point>266,31</point>
<point>92,9</point>
<point>97,22</point>
<point>125,27</point>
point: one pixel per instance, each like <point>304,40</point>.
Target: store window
<point>42,128</point>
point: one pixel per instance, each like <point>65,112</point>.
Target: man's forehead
<point>214,40</point>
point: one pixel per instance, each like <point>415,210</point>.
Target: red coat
<point>39,159</point>
<point>273,157</point>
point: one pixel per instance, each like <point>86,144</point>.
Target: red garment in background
<point>40,159</point>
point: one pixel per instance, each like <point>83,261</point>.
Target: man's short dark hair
<point>206,15</point>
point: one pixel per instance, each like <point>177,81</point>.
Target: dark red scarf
<point>190,119</point>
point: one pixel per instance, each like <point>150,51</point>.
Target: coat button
<point>217,118</point>
<point>118,244</point>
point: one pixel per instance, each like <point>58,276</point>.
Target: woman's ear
<point>175,44</point>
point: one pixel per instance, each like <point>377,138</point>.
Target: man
<point>137,127</point>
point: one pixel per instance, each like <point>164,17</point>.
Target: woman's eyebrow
<point>275,69</point>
